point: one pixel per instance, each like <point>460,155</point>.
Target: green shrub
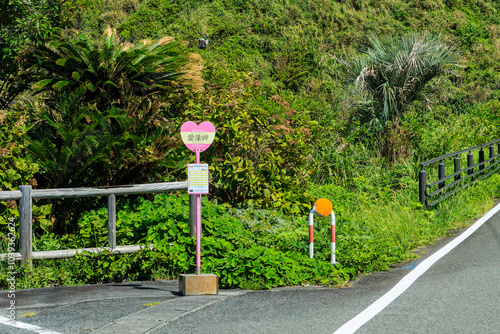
<point>292,65</point>
<point>239,255</point>
<point>17,168</point>
<point>263,148</point>
<point>443,131</point>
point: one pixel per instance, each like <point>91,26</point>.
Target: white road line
<point>371,311</point>
<point>22,325</point>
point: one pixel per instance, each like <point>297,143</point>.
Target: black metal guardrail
<point>431,193</point>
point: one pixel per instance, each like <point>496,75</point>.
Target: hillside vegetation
<point>310,98</point>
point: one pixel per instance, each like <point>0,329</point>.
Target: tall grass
<point>385,224</point>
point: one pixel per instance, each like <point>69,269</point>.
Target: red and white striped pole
<point>323,208</point>
<point>333,237</point>
<point>311,233</point>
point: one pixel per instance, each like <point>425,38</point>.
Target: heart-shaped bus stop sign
<point>198,136</point>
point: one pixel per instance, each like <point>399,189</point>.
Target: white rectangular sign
<point>197,179</point>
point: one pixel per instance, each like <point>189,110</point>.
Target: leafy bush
<point>263,268</point>
<point>240,257</point>
<point>292,66</point>
<point>255,248</point>
<point>103,120</point>
<point>441,131</point>
<point>25,26</point>
<point>263,148</point>
<point>17,168</point>
<point>85,268</point>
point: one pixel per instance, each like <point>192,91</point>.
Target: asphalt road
<point>460,293</point>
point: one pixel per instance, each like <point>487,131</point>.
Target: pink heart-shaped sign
<point>198,137</point>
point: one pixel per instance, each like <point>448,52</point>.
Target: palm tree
<point>101,119</point>
<point>113,73</point>
<point>394,72</point>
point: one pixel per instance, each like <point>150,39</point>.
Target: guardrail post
<point>492,154</point>
<point>481,159</point>
<point>470,162</point>
<point>457,167</point>
<point>441,173</point>
<point>25,224</point>
<point>422,185</point>
<point>112,221</point>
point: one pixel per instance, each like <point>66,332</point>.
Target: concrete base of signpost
<point>196,285</point>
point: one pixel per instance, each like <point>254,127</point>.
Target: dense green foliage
<point>100,118</point>
<point>288,132</point>
<point>17,168</point>
<point>263,150</point>
<point>24,25</point>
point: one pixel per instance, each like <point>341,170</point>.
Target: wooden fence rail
<point>26,194</point>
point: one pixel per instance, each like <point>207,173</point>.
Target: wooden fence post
<point>112,220</point>
<point>25,224</point>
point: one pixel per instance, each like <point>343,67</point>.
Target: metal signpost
<point>198,138</point>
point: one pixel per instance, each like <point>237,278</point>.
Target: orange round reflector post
<point>323,207</point>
